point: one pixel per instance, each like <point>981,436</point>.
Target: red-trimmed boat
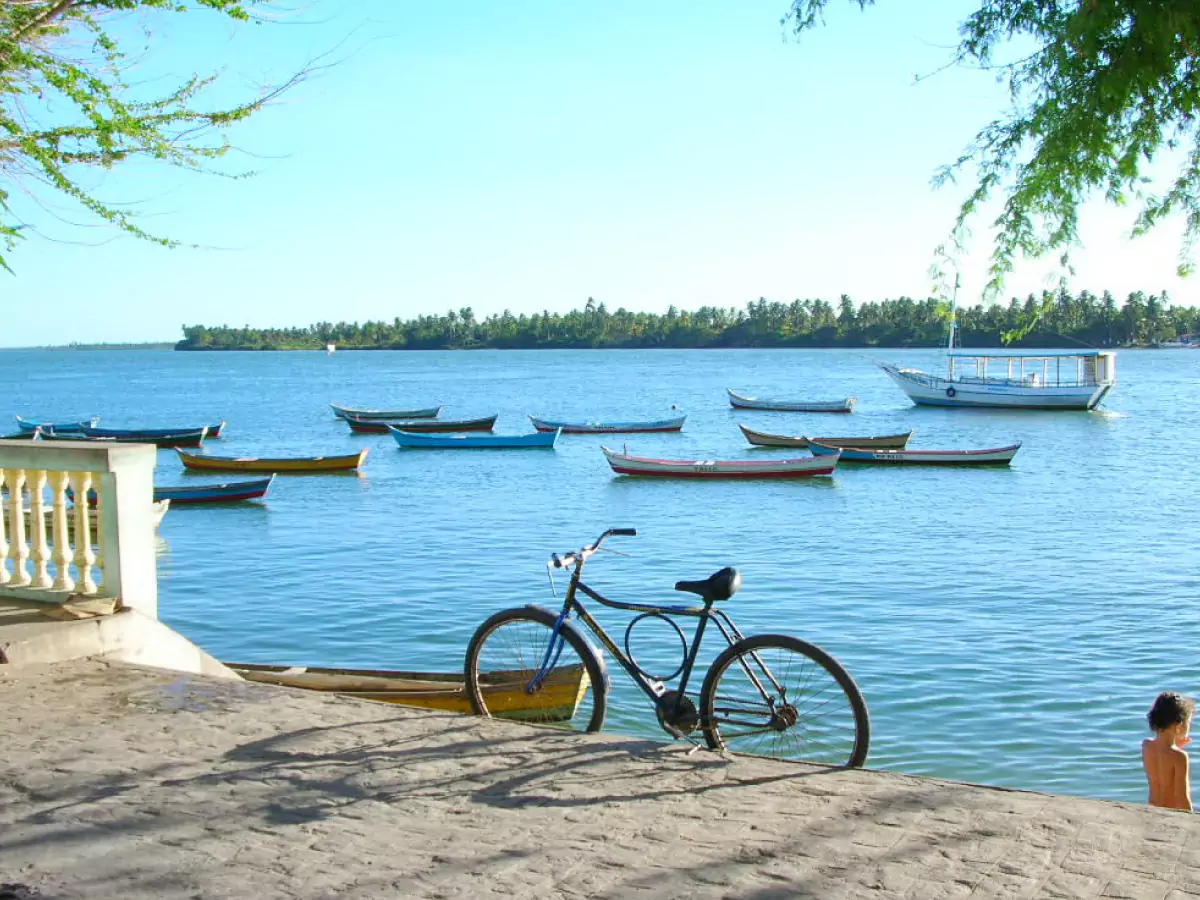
<point>226,492</point>
<point>370,426</point>
<point>806,467</point>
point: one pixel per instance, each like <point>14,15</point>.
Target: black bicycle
<point>768,694</point>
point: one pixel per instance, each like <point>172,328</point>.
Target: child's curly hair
<point>1170,709</point>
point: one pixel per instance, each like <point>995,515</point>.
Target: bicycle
<point>769,694</point>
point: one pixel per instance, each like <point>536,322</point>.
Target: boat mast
<point>953,323</point>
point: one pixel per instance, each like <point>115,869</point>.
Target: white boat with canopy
<point>1024,379</point>
<point>1011,379</point>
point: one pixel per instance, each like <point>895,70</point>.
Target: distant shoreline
<point>156,345</point>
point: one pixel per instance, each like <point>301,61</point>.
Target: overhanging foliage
<point>1109,86</point>
<point>66,105</point>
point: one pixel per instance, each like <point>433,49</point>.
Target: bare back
<point>1168,773</point>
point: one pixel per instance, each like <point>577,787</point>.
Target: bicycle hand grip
<point>563,561</point>
<point>625,532</point>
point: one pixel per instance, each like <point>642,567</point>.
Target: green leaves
<point>61,113</point>
<point>1109,84</point>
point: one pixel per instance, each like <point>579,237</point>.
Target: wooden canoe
<point>371,426</point>
<point>506,696</point>
<point>675,424</point>
<point>878,442</point>
<point>740,401</point>
<point>996,456</point>
<point>391,415</point>
<point>805,467</point>
<point>285,465</point>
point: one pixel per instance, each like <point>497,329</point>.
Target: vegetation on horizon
<point>1059,319</point>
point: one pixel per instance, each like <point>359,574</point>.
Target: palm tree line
<point>1052,319</point>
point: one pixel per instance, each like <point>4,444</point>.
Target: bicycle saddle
<point>718,586</point>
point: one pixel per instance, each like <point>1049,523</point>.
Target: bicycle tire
<point>506,652</point>
<point>823,722</point>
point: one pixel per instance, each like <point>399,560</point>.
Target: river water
<point>1007,626</point>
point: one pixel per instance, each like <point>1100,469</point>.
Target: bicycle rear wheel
<point>508,676</point>
<point>775,695</point>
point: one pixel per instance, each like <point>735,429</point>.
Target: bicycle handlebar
<point>579,556</point>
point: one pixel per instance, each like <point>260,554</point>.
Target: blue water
<point>1007,626</point>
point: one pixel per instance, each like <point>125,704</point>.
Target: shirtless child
<point>1163,756</point>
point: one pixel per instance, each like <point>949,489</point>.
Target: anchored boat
<point>288,465</point>
<point>28,426</point>
<point>194,438</point>
<point>883,441</point>
<point>373,426</point>
<point>147,435</point>
<point>807,467</point>
<point>474,441</point>
<point>741,401</point>
<point>430,412</point>
<point>675,424</point>
<point>1013,379</point>
<point>996,456</point>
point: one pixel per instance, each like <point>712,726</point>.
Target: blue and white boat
<point>675,424</point>
<point>474,441</point>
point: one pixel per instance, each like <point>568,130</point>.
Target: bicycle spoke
<point>518,668</point>
<point>778,697</point>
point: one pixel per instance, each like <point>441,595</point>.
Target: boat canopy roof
<point>1007,353</point>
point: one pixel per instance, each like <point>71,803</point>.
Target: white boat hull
<point>741,401</point>
<point>932,390</point>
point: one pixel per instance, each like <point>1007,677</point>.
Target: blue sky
<point>526,156</point>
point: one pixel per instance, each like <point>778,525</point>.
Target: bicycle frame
<point>653,688</point>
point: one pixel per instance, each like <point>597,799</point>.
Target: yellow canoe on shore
<point>264,464</point>
<point>506,697</point>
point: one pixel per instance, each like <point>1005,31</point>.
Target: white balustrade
<point>51,549</point>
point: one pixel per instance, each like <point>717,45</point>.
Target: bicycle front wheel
<point>775,695</point>
<point>517,668</point>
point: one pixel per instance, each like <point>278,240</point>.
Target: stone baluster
<point>39,547</point>
<point>85,557</point>
<point>101,538</point>
<point>61,534</point>
<point>18,550</point>
<point>4,576</point>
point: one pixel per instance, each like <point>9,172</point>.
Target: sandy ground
<point>135,783</point>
